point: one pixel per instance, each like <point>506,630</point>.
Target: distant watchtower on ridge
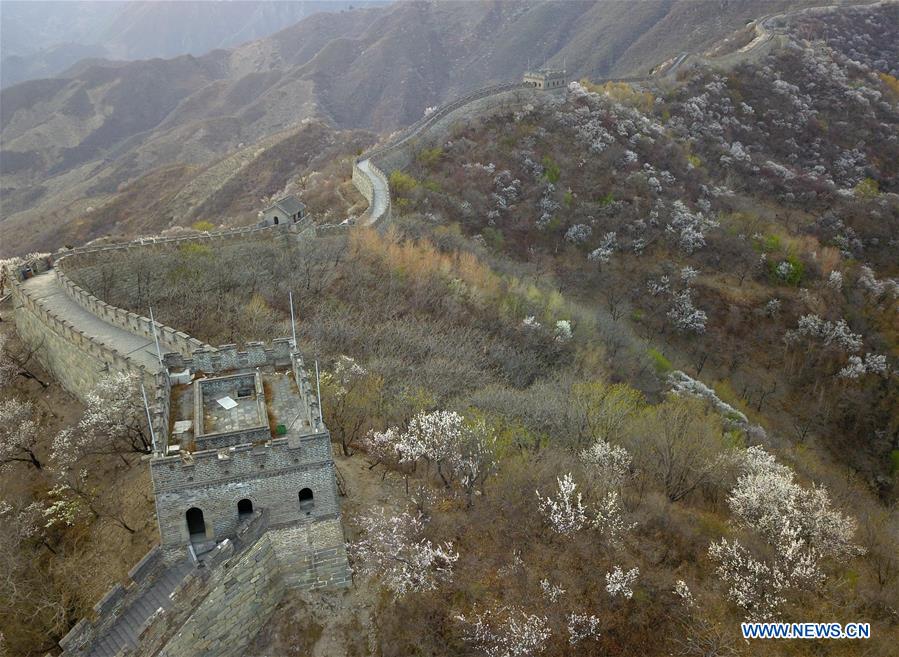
<point>546,79</point>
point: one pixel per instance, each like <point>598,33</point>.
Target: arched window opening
<point>306,500</point>
<point>276,221</point>
<point>196,526</point>
<point>244,508</point>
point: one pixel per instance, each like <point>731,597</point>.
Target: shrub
<point>789,271</point>
<point>662,364</point>
<point>551,170</point>
<point>493,237</point>
<point>401,183</point>
<point>867,189</point>
<point>770,243</point>
<point>195,250</point>
<point>430,156</point>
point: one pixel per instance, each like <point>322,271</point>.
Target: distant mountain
<point>46,63</point>
<point>42,39</point>
<point>105,124</point>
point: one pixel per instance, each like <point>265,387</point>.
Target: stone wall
<point>270,476</point>
<point>241,599</point>
<point>312,555</point>
<point>170,339</point>
<point>228,357</point>
<point>430,129</point>
<point>217,610</point>
<point>76,361</point>
<point>115,603</point>
<point>434,128</point>
<point>363,183</point>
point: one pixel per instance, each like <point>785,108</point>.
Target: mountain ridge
<point>370,68</point>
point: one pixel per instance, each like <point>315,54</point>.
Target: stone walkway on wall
<point>380,193</point>
<point>46,290</point>
<point>124,631</point>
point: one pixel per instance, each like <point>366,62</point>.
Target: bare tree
<point>15,363</point>
<point>680,444</point>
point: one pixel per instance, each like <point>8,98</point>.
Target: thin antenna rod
<point>293,322</point>
<point>318,390</point>
<point>155,336</point>
<point>149,419</point>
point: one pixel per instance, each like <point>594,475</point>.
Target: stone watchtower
<point>546,79</point>
<point>246,438</point>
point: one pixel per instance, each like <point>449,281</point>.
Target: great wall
<point>211,595</point>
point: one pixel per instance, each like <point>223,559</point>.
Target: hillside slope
<point>108,124</point>
<point>41,40</point>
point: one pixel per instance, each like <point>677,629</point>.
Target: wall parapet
<point>420,126</point>
<point>227,357</point>
<point>169,337</point>
<point>114,603</point>
<point>396,152</point>
<point>172,339</point>
<point>114,359</point>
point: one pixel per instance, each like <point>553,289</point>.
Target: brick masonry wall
<point>475,106</point>
<point>114,603</point>
<point>218,610</point>
<point>75,360</point>
<point>312,555</point>
<point>270,476</point>
<point>362,183</point>
<point>242,598</point>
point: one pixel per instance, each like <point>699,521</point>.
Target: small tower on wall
<point>246,444</point>
<point>546,79</point>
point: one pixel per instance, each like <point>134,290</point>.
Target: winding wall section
<point>369,170</point>
<point>80,338</point>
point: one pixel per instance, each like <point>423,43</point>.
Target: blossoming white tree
<point>18,434</point>
<point>798,523</point>
<point>563,330</point>
<point>393,549</point>
<point>685,316</point>
<point>814,329</point>
<point>754,585</point>
<point>870,364</point>
<point>113,422</point>
<point>611,520</point>
<point>461,450</point>
<point>612,464</point>
<point>506,632</point>
<point>567,514</point>
<point>619,582</point>
<point>688,227</point>
<point>682,591</point>
<point>582,627</point>
<point>603,253</point>
<point>565,511</point>
<point>551,591</point>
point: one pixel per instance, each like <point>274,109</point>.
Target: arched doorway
<point>307,501</point>
<point>196,526</point>
<point>244,508</point>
